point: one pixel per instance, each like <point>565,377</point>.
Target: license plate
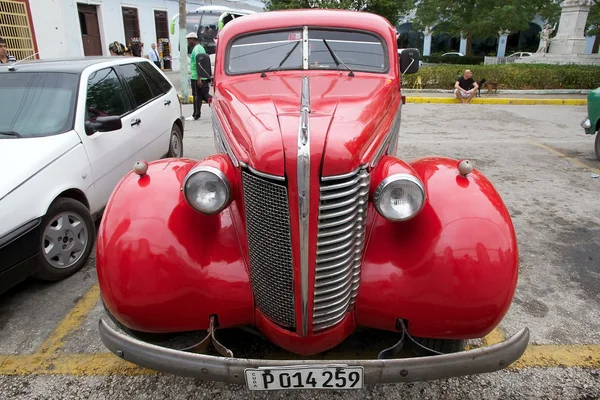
<point>304,377</point>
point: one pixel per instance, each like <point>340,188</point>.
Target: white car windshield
<point>36,104</point>
<point>327,49</point>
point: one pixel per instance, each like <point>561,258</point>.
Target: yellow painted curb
<point>513,101</point>
<point>478,100</point>
<point>190,99</point>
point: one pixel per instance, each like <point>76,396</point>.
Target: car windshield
<point>34,104</point>
<point>282,50</point>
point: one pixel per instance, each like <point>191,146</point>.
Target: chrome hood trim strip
<point>303,170</point>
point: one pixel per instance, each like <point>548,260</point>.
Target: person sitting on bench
<point>465,87</point>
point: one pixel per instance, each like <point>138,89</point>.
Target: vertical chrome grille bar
<point>340,242</point>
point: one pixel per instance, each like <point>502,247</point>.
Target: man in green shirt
<point>199,86</point>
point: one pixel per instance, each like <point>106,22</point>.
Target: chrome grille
<point>270,247</point>
<point>342,222</point>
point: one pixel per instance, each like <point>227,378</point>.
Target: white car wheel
<point>66,241</point>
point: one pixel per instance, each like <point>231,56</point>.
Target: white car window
<point>105,95</point>
<point>37,104</point>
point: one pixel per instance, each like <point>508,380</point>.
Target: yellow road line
<point>536,356</point>
<point>513,101</point>
<point>495,336</point>
<point>546,356</point>
<point>70,322</point>
<point>566,157</point>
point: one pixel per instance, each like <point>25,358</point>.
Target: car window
<point>260,51</point>
<point>105,96</point>
<point>158,84</point>
<point>257,52</point>
<point>138,84</point>
<point>359,51</point>
<point>35,104</point>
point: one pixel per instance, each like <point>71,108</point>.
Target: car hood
<point>349,116</point>
<point>22,158</point>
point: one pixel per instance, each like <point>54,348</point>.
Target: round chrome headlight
<point>207,189</point>
<point>400,197</point>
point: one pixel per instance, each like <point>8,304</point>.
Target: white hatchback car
<point>69,131</point>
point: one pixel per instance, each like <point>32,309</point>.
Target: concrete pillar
<point>427,42</point>
<point>502,43</point>
<point>463,45</point>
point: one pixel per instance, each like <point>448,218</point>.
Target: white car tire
<point>66,240</point>
<point>175,143</point>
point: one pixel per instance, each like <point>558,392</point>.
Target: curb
<point>508,91</point>
<point>190,99</point>
<point>478,100</point>
<point>513,101</point>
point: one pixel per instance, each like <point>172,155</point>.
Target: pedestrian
<point>465,87</point>
<point>197,84</point>
<point>5,58</point>
<point>153,56</point>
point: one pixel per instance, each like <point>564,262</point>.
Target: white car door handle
<point>136,121</point>
<point>167,102</point>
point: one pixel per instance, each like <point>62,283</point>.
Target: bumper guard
<point>231,370</point>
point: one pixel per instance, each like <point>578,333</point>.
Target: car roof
<point>318,17</point>
<point>68,65</point>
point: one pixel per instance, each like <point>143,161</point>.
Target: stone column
<point>502,43</point>
<point>463,45</point>
<point>570,37</point>
<point>427,42</point>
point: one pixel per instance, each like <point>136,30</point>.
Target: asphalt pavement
<point>543,166</point>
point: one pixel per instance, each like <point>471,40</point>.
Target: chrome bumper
<point>231,370</point>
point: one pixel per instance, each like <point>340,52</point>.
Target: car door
<point>151,120</point>
<point>109,152</point>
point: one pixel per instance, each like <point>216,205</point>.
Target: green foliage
<point>511,76</point>
<point>472,60</point>
<point>392,10</point>
<point>479,18</point>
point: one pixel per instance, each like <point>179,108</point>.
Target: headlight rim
<point>391,179</point>
<point>220,175</point>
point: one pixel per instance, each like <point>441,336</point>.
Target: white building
<point>76,28</point>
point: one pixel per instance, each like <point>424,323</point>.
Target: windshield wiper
<point>336,59</point>
<point>10,133</point>
<point>288,54</point>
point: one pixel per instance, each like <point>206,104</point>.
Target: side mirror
<point>409,60</point>
<point>103,124</point>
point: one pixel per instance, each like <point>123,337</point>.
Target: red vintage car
<point>305,225</point>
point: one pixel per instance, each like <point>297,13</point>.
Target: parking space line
<point>566,157</point>
<point>70,322</point>
<point>495,336</point>
<point>547,356</point>
<point>96,364</point>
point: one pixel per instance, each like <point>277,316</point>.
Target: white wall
<point>58,34</point>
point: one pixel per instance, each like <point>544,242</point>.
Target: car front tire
<point>175,143</point>
<point>66,241</point>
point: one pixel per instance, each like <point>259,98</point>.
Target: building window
<point>131,24</point>
<point>16,28</point>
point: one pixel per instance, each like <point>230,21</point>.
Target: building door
<point>90,29</point>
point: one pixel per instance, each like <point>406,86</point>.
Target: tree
<point>479,18</point>
<point>392,10</point>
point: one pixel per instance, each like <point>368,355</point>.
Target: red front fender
<point>161,265</point>
<point>451,272</point>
